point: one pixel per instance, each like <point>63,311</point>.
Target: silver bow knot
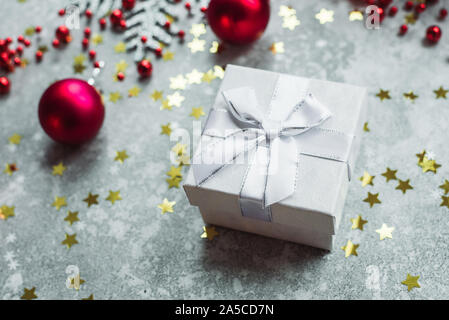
<point>275,139</point>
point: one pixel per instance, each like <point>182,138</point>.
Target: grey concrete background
<point>131,251</point>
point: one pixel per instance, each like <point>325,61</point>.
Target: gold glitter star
<point>410,95</point>
<point>325,16</point>
<point>411,282</point>
<point>121,66</point>
<point>78,68</point>
<point>194,77</point>
<point>219,72</point>
<point>91,297</point>
<point>72,217</point>
<point>134,91</point>
<point>365,127</point>
<point>410,18</point>
<point>174,172</point>
<point>208,76</point>
<point>10,168</point>
<point>179,149</point>
<point>197,112</point>
<point>404,185</point>
<point>6,212</point>
<point>429,165</point>
<point>390,174</point>
<point>357,223</point>
<point>29,294</point>
<point>79,59</point>
<point>168,55</point>
<point>91,199</point>
<point>166,206</point>
<point>30,31</point>
<point>69,240</point>
<point>157,95</point>
<point>372,199</point>
<point>197,30</point>
<point>385,232</point>
<point>15,139</point>
<point>166,129</point>
<point>115,96</point>
<point>114,196</point>
<point>350,249</point>
<point>183,160</point>
<point>120,47</point>
<point>383,94</point>
<point>196,45</point>
<point>121,156</point>
<point>175,99</point>
<point>178,82</point>
<point>97,39</point>
<point>421,156</point>
<point>209,233</point>
<point>76,282</point>
<point>291,22</point>
<point>59,169</point>
<point>277,47</point>
<point>445,202</point>
<point>440,93</point>
<point>173,182</point>
<point>286,11</point>
<point>355,15</point>
<point>165,105</point>
<point>59,202</point>
<point>366,179</point>
<point>445,186</point>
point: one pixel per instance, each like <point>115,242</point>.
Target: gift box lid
<point>321,183</point>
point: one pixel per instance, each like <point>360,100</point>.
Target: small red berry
<point>203,9</point>
<point>158,51</point>
<point>39,55</point>
<point>62,33</point>
<point>443,13</point>
<point>5,85</point>
<point>11,53</point>
<point>188,6</point>
<point>85,42</point>
<point>55,43</point>
<point>61,12</point>
<point>120,76</point>
<point>181,34</point>
<point>123,24</point>
<point>116,17</point>
<point>167,24</point>
<point>143,39</point>
<point>8,40</point>
<point>38,29</point>
<point>19,50</point>
<point>20,38</point>
<point>420,7</point>
<point>27,42</point>
<point>393,10</point>
<point>87,32</point>
<point>128,4</point>
<point>102,23</point>
<point>92,54</point>
<point>17,61</point>
<point>96,64</point>
<point>88,13</point>
<point>3,45</point>
<point>403,29</point>
<point>408,5</point>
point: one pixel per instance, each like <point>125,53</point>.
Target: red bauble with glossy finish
<point>71,111</point>
<point>238,21</point>
<point>144,68</point>
<point>63,33</point>
<point>5,85</point>
<point>433,34</point>
<point>116,17</point>
<point>128,4</point>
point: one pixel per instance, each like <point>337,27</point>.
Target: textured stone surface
<point>130,250</point>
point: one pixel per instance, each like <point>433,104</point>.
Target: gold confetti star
<point>59,202</point>
<point>411,282</point>
<point>197,112</point>
<point>445,186</point>
<point>410,18</point>
<point>115,96</point>
<point>175,99</point>
<point>385,232</point>
<point>120,47</point>
<point>166,206</point>
<point>157,95</point>
<point>440,93</point>
<point>404,185</point>
<point>165,105</point>
<point>357,223</point>
<point>365,127</point>
<point>429,165</point>
<point>208,76</point>
<point>79,59</point>
<point>72,217</point>
<point>30,31</point>
<point>196,45</point>
<point>421,156</point>
<point>15,139</point>
<point>390,174</point>
<point>290,22</point>
<point>277,47</point>
<point>173,182</point>
<point>383,94</point>
<point>179,149</point>
<point>168,56</point>
<point>355,15</point>
<point>69,240</point>
<point>209,233</point>
<point>372,199</point>
<point>78,68</point>
<point>121,66</point>
<point>134,91</point>
<point>410,95</point>
<point>198,30</point>
<point>91,199</point>
<point>194,77</point>
<point>59,169</point>
<point>366,179</point>
<point>325,16</point>
<point>219,72</point>
<point>29,294</point>
<point>178,82</point>
<point>114,196</point>
<point>174,172</point>
<point>286,11</point>
<point>183,160</point>
<point>165,129</point>
<point>6,212</point>
<point>76,282</point>
<point>445,202</point>
<point>10,168</point>
<point>97,39</point>
<point>91,297</point>
<point>350,249</point>
<point>121,156</point>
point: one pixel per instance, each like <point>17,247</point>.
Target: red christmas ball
<point>63,33</point>
<point>238,21</point>
<point>5,85</point>
<point>144,68</point>
<point>71,111</point>
<point>116,17</point>
<point>128,4</point>
<point>433,34</point>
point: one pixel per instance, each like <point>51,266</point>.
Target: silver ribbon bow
<point>277,139</point>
